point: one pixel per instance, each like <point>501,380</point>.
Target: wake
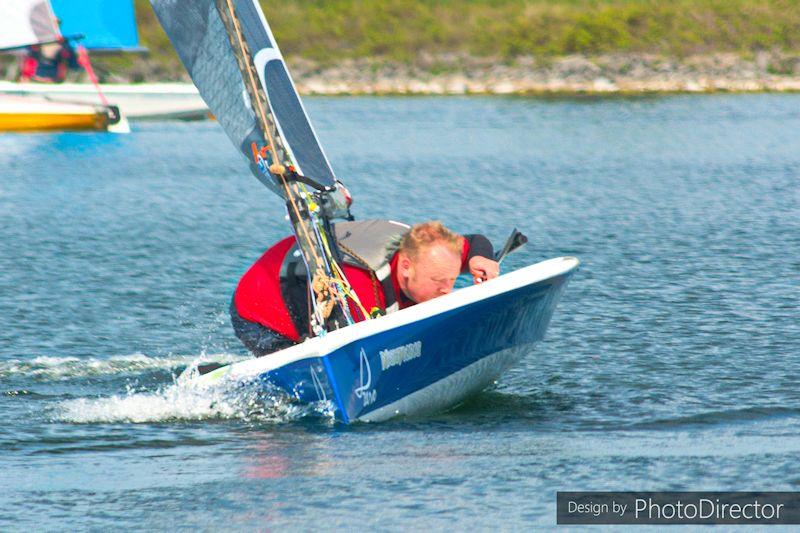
<point>182,399</point>
<point>48,368</point>
<point>182,402</point>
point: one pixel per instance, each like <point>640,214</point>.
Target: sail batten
<point>231,55</point>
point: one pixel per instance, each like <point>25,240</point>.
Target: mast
<point>231,55</point>
<point>310,225</point>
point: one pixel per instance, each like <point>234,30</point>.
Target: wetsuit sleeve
<point>476,245</point>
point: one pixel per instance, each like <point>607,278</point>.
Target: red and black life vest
<point>274,291</point>
<point>48,63</point>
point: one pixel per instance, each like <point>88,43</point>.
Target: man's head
<point>429,261</point>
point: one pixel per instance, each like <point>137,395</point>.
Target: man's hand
<point>483,269</point>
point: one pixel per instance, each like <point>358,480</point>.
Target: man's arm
<point>478,258</point>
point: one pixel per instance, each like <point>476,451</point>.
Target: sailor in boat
<point>48,63</point>
<point>389,265</point>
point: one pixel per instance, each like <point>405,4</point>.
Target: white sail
<point>26,22</point>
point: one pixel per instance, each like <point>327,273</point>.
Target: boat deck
<point>147,101</point>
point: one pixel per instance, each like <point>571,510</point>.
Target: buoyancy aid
<point>274,291</point>
<point>371,244</point>
<point>48,63</point>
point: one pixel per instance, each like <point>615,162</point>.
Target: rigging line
<point>349,292</point>
<point>343,285</point>
<point>253,85</point>
<point>338,274</point>
<point>323,240</point>
<point>267,130</point>
<point>337,279</point>
<point>312,305</point>
<point>372,275</point>
<point>86,63</point>
<point>343,291</point>
<point>334,270</point>
<point>300,219</point>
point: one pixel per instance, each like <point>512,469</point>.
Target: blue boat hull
<point>429,364</point>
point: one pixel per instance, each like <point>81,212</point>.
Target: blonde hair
<point>426,234</point>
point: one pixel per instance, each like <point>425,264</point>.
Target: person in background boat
<point>48,63</point>
<point>269,310</point>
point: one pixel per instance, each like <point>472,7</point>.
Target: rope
<point>345,284</point>
<point>332,267</point>
<point>327,288</point>
<point>276,167</point>
<point>86,63</point>
<point>351,293</point>
<point>372,275</point>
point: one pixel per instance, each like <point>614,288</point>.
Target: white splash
<point>182,400</point>
<point>62,368</point>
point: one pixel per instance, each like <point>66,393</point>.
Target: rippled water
<point>672,363</point>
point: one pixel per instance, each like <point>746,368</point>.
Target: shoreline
<point>569,75</point>
<point>613,74</point>
<point>600,87</point>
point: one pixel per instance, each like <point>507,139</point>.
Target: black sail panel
<point>296,131</point>
<point>231,55</point>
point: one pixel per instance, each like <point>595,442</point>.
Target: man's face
<point>433,273</point>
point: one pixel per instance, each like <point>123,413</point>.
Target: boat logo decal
<point>318,385</point>
<point>365,381</point>
<point>402,354</point>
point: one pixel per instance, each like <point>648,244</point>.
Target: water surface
<point>671,364</point>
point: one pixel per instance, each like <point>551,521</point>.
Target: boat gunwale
<point>335,340</point>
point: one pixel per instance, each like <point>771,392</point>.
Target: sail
<point>26,22</point>
<point>209,36</point>
<point>104,24</point>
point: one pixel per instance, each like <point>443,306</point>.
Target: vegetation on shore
<point>399,29</point>
<point>405,31</point>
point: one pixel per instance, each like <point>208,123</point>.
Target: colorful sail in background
<point>104,24</point>
<point>26,22</point>
<point>239,96</point>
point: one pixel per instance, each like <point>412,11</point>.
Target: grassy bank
<point>326,31</point>
<point>399,29</point>
<point>409,31</point>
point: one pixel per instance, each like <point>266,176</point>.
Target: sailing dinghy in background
<point>95,27</point>
<point>418,360</point>
<point>27,23</point>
